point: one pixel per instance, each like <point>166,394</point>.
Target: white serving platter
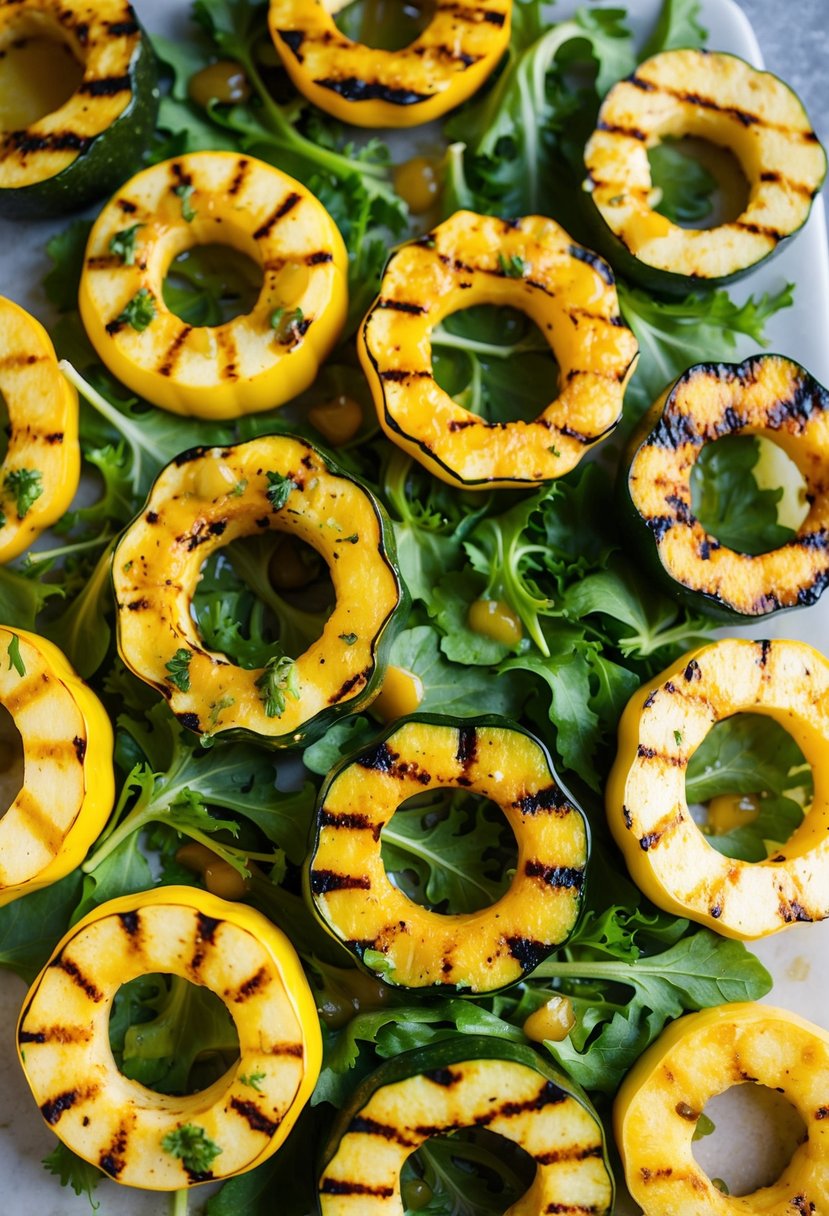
<point>797,958</point>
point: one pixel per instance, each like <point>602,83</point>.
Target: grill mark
<point>54,141</point>
<point>370,1127</point>
<point>615,129</point>
<point>467,752</point>
<point>190,721</point>
<point>473,16</point>
<point>170,357</point>
<point>239,176</point>
<point>55,1107</point>
<point>415,310</point>
<point>575,1209</point>
<point>443,1077</point>
<point>56,1034</point>
<point>339,1186</point>
<point>254,1117</point>
<point>758,230</point>
<point>286,1049</point>
<point>113,1160</point>
<point>127,206</point>
<point>527,951</point>
<point>325,881</point>
<point>76,975</point>
<point>293,40</point>
<point>744,117</point>
<point>354,88</point>
<point>226,341</point>
<point>287,205</point>
<point>19,359</point>
<point>381,758</point>
<point>106,86</point>
<point>350,821</point>
<point>574,1153</point>
<point>786,182</point>
<point>693,671</point>
<point>122,29</point>
<point>207,926</point>
<point>361,677</point>
<point>320,258</point>
<point>131,923</point>
<point>251,986</point>
<point>398,376</point>
<point>549,799</point>
<point>561,877</point>
<point>39,823</point>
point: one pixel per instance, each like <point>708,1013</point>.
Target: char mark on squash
<point>415,310</point>
<point>207,926</point>
<point>575,1152</point>
<point>54,141</point>
<point>287,205</point>
<point>325,881</point>
<point>527,951</point>
<point>355,681</point>
<point>385,1131</point>
<point>293,40</point>
<point>444,1077</point>
<point>467,747</point>
<point>559,877</point>
<point>381,758</point>
<point>549,799</point>
<point>349,821</point>
<point>170,356</point>
<point>255,983</point>
<point>254,1117</point>
<point>74,972</point>
<point>341,1186</point>
<point>615,129</point>
<point>106,86</point>
<point>242,167</point>
<point>353,88</point>
<point>58,1106</point>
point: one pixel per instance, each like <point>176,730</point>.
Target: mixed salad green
<point>592,627</point>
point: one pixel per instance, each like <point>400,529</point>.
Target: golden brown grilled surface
<point>769,396</point>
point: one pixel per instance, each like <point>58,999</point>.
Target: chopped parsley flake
<point>277,682</point>
<point>192,1145</point>
<point>677,737</point>
<point>185,193</point>
<point>26,486</point>
<point>223,703</point>
<point>140,311</point>
<point>239,489</point>
<point>253,1080</point>
<point>123,244</point>
<point>179,669</point>
<point>15,658</point>
<point>287,323</point>
<point>514,267</point>
<point>279,490</point>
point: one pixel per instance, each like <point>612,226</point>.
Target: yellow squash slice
<point>42,466</point>
<point>530,264</point>
<point>68,781</point>
<point>661,728</point>
<point>719,98</point>
<point>696,1058</point>
<point>119,1125</point>
<point>474,952</point>
<point>254,362</point>
<point>459,49</point>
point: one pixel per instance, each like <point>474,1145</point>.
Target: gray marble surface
<point>794,37</point>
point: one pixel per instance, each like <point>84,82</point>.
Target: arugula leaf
<point>285,1182</point>
<point>193,1146</point>
<point>15,657</point>
<point>468,1173</point>
<point>25,487</point>
<point>22,596</point>
<point>82,630</point>
<point>31,926</point>
<point>67,251</point>
<point>677,27</point>
<point>340,740</point>
<point>685,186</point>
<point>449,688</point>
<point>75,1172</point>
<point>729,503</point>
<point>674,335</point>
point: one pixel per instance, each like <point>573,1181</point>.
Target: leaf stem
<point>179,1202</point>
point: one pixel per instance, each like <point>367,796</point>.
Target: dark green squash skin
<point>643,547</point>
<point>111,158</point>
<point>443,1054</point>
<point>315,727</point>
<point>355,950</point>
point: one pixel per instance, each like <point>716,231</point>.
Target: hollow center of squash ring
<point>495,362</point>
<point>387,25</point>
<point>470,1158</point>
<point>170,1035</point>
<point>748,786</point>
<point>39,70</point>
<point>748,493</point>
<point>416,848</point>
<point>700,184</point>
<point>276,588</point>
<point>11,761</point>
<point>756,1132</point>
<point>212,283</point>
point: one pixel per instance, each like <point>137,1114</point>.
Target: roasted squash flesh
<point>476,952</point>
<point>769,396</point>
<point>209,497</point>
<point>65,157</point>
<point>68,781</point>
<point>118,1124</point>
<point>252,362</point>
<point>42,466</point>
<point>459,49</point>
<point>722,99</point>
<point>471,1082</point>
<point>661,728</point>
<point>530,264</point>
<point>696,1058</point>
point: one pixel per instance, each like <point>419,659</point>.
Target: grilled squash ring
<point>661,728</point>
<point>469,1081</point>
<point>209,497</point>
<point>722,99</point>
<point>696,1058</point>
<point>769,396</point>
<point>83,149</point>
<point>445,65</point>
<point>530,264</point>
<point>253,362</point>
<point>119,1125</point>
<point>471,953</point>
<point>68,782</point>
<point>42,465</point>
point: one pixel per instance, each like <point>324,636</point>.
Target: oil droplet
<point>799,969</point>
<point>418,183</point>
<point>496,620</point>
<point>338,420</point>
<point>291,284</point>
<point>215,478</point>
<point>223,81</point>
<point>552,1021</point>
<point>400,695</point>
<point>730,811</point>
<point>223,880</point>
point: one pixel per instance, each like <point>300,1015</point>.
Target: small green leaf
<point>704,1127</point>
<point>287,323</point>
<point>185,192</point>
<point>677,737</point>
<point>140,311</point>
<point>192,1145</point>
<point>278,681</point>
<point>25,486</point>
<point>15,657</point>
<point>279,490</point>
<point>179,669</point>
<point>219,706</point>
<point>122,245</point>
<point>253,1080</point>
<point>239,489</point>
<point>513,267</point>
